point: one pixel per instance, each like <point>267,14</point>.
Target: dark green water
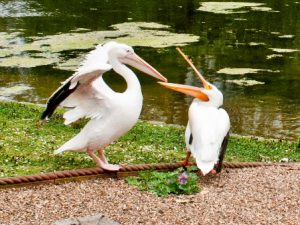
<point>254,38</point>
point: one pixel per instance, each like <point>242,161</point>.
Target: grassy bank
<point>26,147</point>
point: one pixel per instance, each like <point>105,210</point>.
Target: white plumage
<point>208,126</point>
<point>111,113</point>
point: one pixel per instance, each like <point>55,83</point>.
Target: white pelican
<point>111,113</point>
<point>207,131</point>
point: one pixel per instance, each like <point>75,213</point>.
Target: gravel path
<point>243,196</point>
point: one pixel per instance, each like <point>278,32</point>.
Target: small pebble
<point>284,160</point>
<point>262,195</point>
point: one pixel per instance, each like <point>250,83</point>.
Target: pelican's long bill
<point>186,89</point>
<point>140,64</point>
<point>204,82</point>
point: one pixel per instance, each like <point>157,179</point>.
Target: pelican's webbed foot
<point>101,162</point>
<point>110,167</point>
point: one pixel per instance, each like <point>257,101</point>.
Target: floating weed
<point>284,50</point>
<point>245,82</point>
<point>243,71</point>
<point>49,49</point>
<point>14,90</point>
<point>177,182</point>
<point>233,7</point>
<point>272,56</point>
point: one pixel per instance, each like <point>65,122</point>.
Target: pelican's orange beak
<point>186,89</point>
<point>190,90</point>
<point>204,82</point>
<point>140,64</point>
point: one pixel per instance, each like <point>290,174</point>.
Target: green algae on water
<point>232,7</point>
<point>14,90</point>
<point>245,82</point>
<point>284,50</point>
<point>243,71</point>
<point>47,50</point>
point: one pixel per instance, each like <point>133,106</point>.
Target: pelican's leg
<point>102,156</point>
<point>92,154</point>
<point>106,165</point>
<point>186,162</point>
<point>101,163</point>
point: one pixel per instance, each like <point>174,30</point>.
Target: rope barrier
<point>125,169</point>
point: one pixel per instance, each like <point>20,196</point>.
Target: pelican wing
<point>75,88</point>
<point>209,126</point>
<point>94,64</point>
<point>89,101</point>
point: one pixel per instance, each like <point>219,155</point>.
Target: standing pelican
<point>111,113</point>
<point>207,131</point>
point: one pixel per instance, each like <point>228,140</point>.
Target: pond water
<point>249,50</point>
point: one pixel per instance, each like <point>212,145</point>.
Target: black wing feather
<point>191,139</point>
<point>58,97</point>
<point>222,153</point>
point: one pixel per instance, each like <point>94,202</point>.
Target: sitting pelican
<point>207,131</point>
<point>111,113</point>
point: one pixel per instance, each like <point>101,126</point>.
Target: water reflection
<point>20,8</point>
<point>261,40</point>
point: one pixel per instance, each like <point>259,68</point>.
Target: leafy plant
<point>177,182</point>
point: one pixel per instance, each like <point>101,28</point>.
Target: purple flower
<point>182,178</point>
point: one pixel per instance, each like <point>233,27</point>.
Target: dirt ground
<point>265,195</point>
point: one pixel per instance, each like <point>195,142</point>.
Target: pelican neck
<point>131,79</point>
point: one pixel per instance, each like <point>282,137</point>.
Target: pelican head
<point>209,95</point>
<point>126,55</point>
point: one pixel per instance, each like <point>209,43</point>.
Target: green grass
<point>26,147</point>
<point>165,183</point>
